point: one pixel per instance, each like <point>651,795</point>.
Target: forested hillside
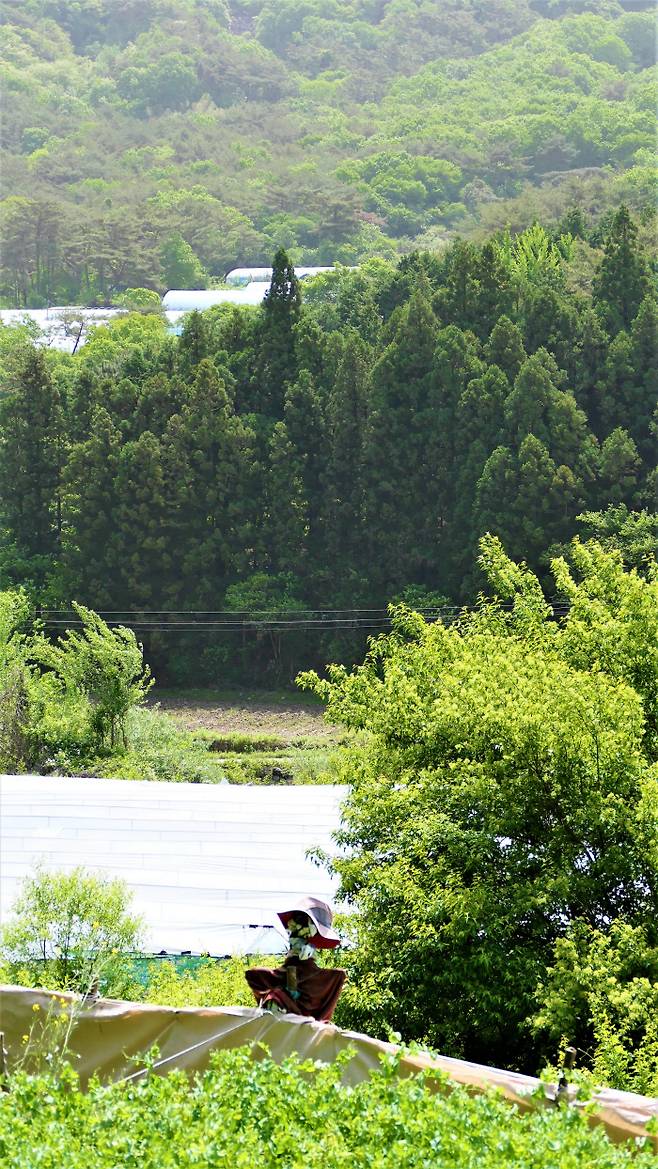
<point>339,447</point>
<point>160,142</point>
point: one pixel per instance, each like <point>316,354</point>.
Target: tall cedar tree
<point>621,282</point>
<point>398,477</point>
<point>347,414</point>
<point>32,456</point>
<point>276,363</point>
<point>90,568</point>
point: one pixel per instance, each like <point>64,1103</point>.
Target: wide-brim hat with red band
<point>320,914</point>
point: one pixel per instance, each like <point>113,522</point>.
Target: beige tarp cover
<point>107,1033</point>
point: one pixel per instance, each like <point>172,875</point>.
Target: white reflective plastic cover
<point>207,863</point>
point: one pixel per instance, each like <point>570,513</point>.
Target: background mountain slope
<point>161,142</point>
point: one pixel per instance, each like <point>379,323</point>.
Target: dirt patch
<point>263,714</point>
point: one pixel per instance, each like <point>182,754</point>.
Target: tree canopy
<point>500,832</point>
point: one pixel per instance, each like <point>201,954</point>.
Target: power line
<point>245,621</point>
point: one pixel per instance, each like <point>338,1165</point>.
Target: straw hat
<point>321,915</point>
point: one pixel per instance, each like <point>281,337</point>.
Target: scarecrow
<point>300,986</point>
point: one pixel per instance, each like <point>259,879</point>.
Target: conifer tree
<point>211,495</point>
<point>193,344</point>
<point>90,565</point>
<point>32,454</point>
<point>276,362</point>
<point>621,282</point>
<point>619,469</point>
<point>143,555</point>
<point>505,347</point>
<point>305,424</point>
<point>591,353</point>
<point>644,356</point>
<point>494,296</point>
<point>527,499</point>
<point>347,414</point>
<point>286,508</point>
<point>397,470</point>
<point>539,407</point>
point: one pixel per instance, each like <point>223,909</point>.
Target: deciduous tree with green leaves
<point>68,930</point>
<point>504,793</point>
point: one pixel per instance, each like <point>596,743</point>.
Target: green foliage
<point>613,624</point>
<point>504,795</point>
<point>162,143</point>
<point>104,666</point>
<point>246,1113</point>
<point>633,534</point>
<point>14,612</point>
<point>257,463</point>
<point>138,300</point>
<point>181,268</point>
<point>211,984</point>
<point>603,988</point>
<point>68,930</point>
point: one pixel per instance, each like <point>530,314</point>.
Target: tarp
<point>106,1034</point>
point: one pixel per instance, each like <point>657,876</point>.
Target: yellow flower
<point>36,1007</point>
<point>25,1038</point>
<point>96,925</point>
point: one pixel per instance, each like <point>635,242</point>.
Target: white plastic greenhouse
<point>209,864</point>
<point>188,299</point>
<point>240,276</point>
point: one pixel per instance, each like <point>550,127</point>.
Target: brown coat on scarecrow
<point>300,986</point>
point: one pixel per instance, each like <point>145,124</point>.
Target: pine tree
<point>539,407</point>
<point>209,465</point>
<point>494,297</point>
<point>479,430</point>
<point>304,417</point>
<point>397,468</point>
<point>145,559</point>
<point>591,352</point>
<point>552,323</point>
<point>527,499</point>
<point>193,344</point>
<point>644,356</point>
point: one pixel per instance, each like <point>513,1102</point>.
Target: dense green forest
<point>341,450</point>
<point>161,142</point>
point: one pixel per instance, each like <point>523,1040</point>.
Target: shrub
<point>242,1114</point>
<point>212,984</point>
<point>69,930</point>
<point>102,665</point>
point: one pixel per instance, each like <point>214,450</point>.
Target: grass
<point>161,749</point>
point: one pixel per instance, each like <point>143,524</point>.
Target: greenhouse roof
<point>188,299</point>
<point>209,864</point>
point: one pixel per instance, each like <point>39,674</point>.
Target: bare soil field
<point>264,712</point>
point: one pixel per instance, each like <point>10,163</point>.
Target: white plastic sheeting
<point>188,299</point>
<point>209,865</point>
<point>264,275</point>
